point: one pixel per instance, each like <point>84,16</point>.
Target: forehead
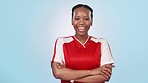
<point>82,11</point>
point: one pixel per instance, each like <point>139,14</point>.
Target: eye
<point>86,18</point>
<point>76,18</point>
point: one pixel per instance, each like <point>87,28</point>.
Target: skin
<point>97,75</point>
<point>83,19</point>
<point>81,23</point>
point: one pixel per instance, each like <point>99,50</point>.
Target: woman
<point>82,58</point>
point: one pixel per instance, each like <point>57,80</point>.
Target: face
<point>82,21</point>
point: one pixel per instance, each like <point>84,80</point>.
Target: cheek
<point>89,23</point>
<point>74,23</point>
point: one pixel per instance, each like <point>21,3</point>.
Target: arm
<point>105,75</point>
<point>92,79</point>
<point>63,73</point>
<point>60,72</point>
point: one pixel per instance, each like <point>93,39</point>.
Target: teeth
<point>81,28</point>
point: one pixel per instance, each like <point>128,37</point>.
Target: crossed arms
<point>97,75</point>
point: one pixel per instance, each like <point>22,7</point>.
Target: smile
<point>81,29</point>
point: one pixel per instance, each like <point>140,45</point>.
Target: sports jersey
<point>78,56</point>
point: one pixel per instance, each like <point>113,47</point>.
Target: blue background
<point>29,28</point>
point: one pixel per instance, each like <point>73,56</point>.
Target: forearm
<point>93,79</point>
<point>95,75</point>
<point>104,75</point>
<point>68,74</point>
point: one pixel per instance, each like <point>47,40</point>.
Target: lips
<point>81,29</point>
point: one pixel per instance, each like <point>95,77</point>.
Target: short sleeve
<point>106,55</point>
<point>58,55</point>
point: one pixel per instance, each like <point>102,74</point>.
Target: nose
<point>81,22</point>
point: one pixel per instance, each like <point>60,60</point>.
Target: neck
<point>82,38</point>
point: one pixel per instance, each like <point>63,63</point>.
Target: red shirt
<point>75,55</point>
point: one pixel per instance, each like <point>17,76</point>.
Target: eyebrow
<point>74,16</point>
<point>79,16</point>
<point>86,16</point>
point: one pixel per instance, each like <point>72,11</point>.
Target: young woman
<point>82,58</point>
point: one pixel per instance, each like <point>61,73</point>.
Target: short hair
<point>82,5</point>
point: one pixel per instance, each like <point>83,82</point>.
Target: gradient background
<point>29,28</point>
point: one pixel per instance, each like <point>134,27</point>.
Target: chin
<point>81,34</point>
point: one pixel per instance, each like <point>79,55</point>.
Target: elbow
<point>55,70</point>
<point>56,74</point>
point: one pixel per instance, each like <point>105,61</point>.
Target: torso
<point>80,56</point>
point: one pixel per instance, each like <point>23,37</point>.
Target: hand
<point>60,65</point>
<point>105,70</point>
<point>96,71</point>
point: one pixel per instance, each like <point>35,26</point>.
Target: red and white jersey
<point>78,56</point>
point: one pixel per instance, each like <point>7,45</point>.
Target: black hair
<point>82,5</point>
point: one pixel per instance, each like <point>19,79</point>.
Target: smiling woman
<point>81,22</point>
<point>82,58</point>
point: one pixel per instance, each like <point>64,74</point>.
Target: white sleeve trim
<point>106,56</point>
<point>59,55</point>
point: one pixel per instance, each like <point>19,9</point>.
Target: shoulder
<point>96,40</point>
<point>65,39</point>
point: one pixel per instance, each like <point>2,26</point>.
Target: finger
<point>107,71</point>
<point>62,62</point>
<point>105,75</point>
<point>59,65</point>
<point>108,66</point>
